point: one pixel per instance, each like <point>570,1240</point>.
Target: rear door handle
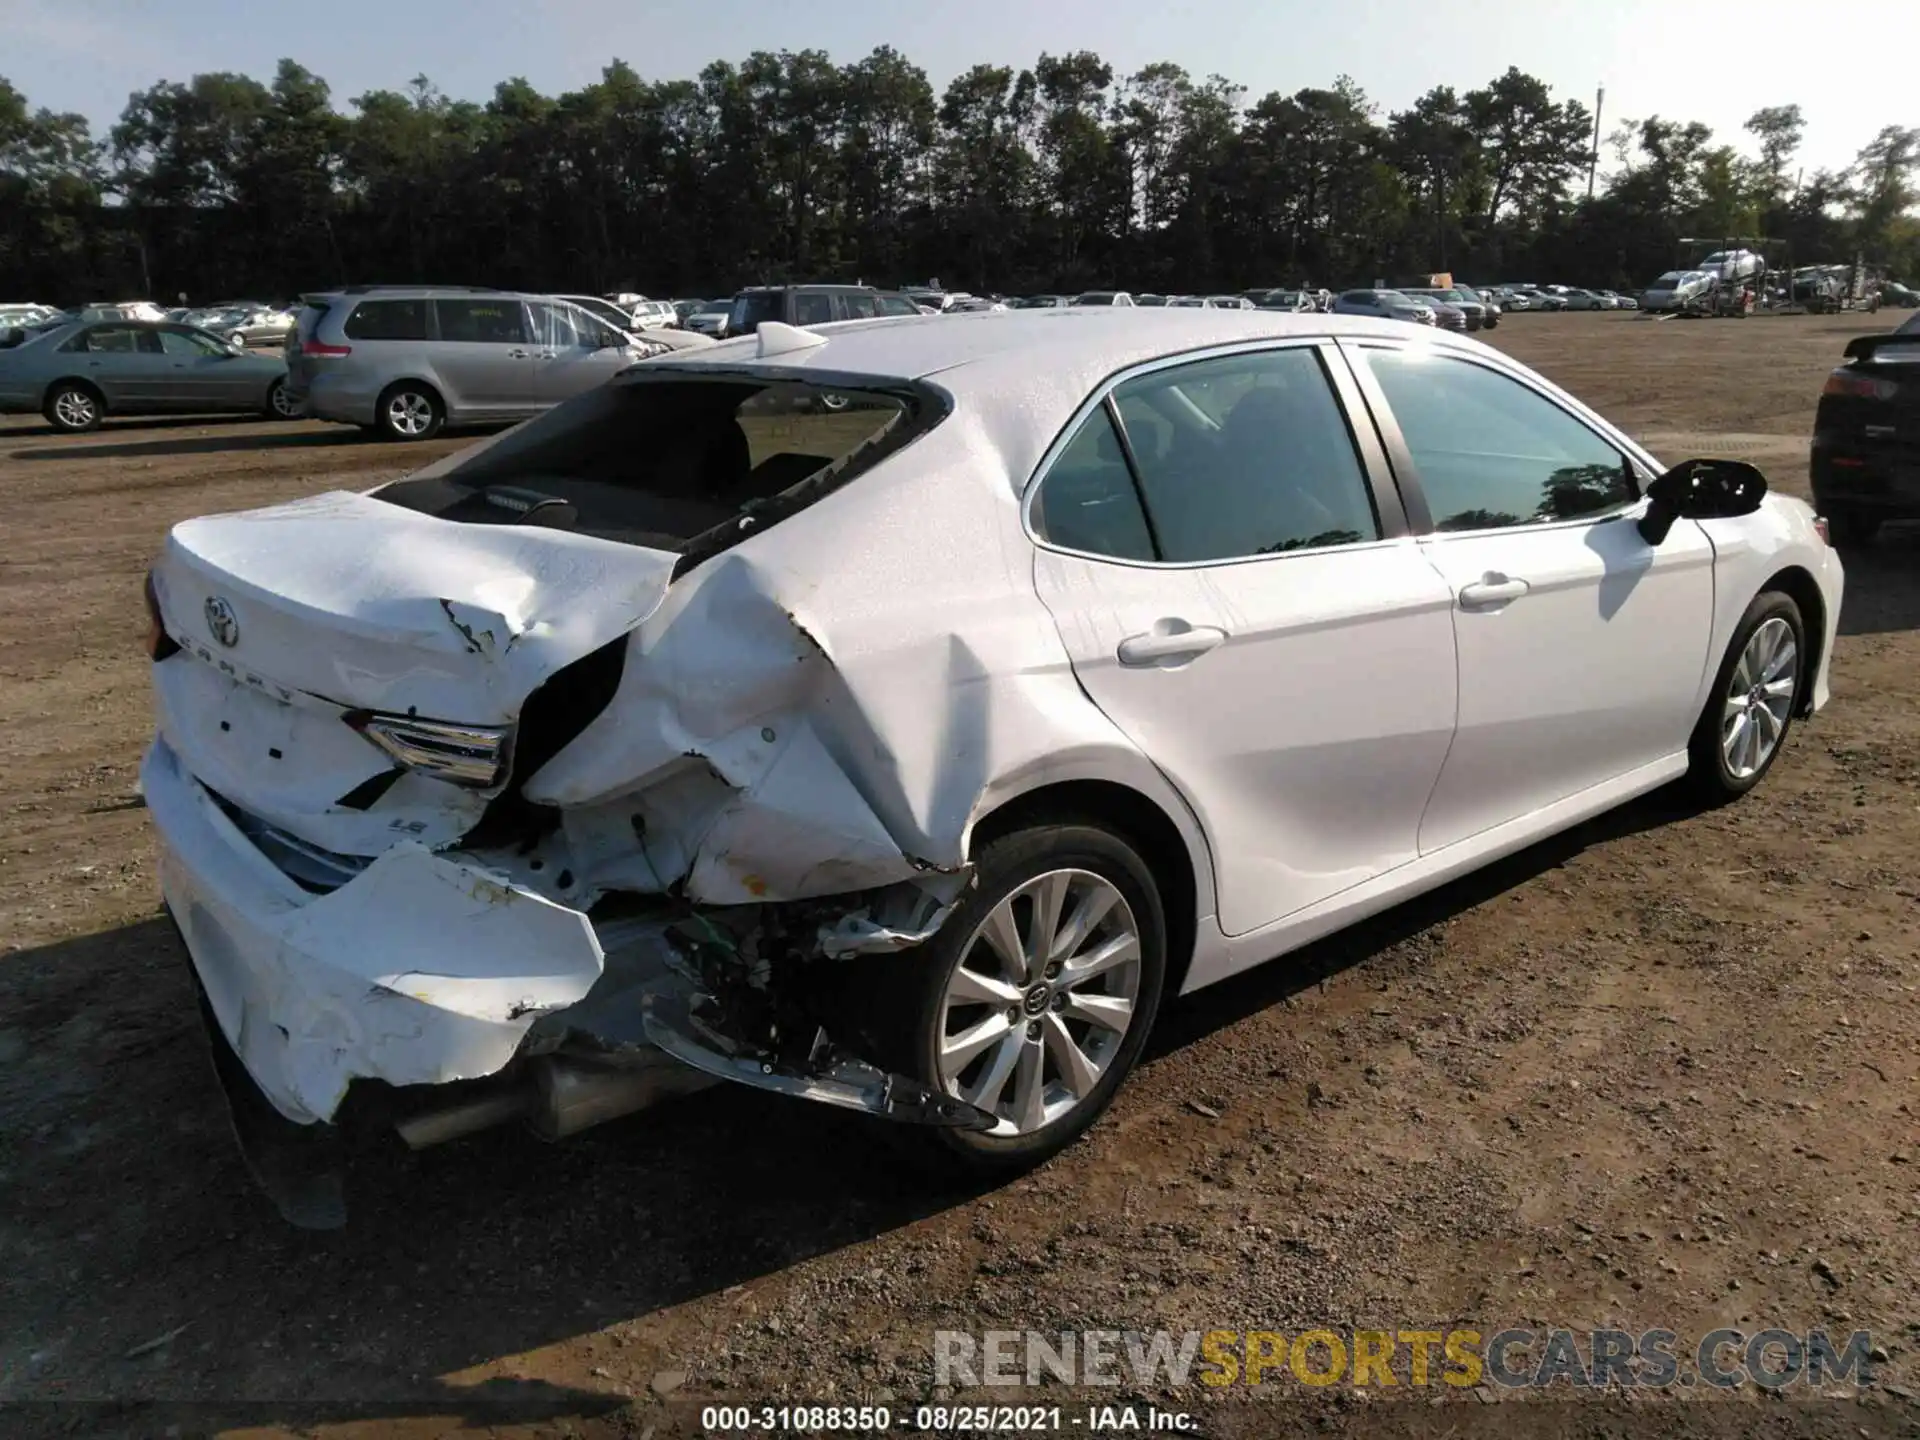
<point>1179,641</point>
<point>1490,590</point>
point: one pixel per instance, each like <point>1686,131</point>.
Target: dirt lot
<point>1659,1072</point>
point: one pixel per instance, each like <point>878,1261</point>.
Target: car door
<point>201,373</point>
<point>114,357</point>
<point>1241,600</point>
<point>577,351</point>
<point>485,357</point>
<point>1582,647</point>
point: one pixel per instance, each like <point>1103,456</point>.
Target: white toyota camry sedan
<point>896,714</point>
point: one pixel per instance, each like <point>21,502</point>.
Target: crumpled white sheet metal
<point>426,968</point>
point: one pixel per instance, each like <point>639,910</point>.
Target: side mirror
<point>1701,490</point>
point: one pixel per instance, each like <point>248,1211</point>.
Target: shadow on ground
<point>1883,583</point>
<point>458,1256</point>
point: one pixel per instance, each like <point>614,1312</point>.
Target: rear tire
<point>409,411</point>
<point>918,1003</point>
<point>1756,693</point>
<point>74,407</point>
<point>279,406</point>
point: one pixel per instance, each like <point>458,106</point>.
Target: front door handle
<point>1170,640</point>
<point>1490,590</point>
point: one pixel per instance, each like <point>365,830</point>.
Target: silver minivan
<point>407,360</point>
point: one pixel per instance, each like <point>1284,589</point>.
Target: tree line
<point>1062,176</point>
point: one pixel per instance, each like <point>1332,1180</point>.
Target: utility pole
<point>1593,159</point>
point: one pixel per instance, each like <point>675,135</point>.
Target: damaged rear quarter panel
<point>856,686</point>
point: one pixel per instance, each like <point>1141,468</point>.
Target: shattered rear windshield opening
<point>671,464</point>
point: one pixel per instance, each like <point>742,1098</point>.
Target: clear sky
<point>89,55</point>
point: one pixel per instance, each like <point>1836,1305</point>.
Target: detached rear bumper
<point>421,970</point>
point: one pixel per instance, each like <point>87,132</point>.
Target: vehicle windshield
<point>714,307</point>
<point>1669,280</point>
<point>748,309</point>
<point>661,461</point>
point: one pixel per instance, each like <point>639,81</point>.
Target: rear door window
<point>482,322</point>
<point>190,343</point>
<point>387,320</point>
<point>112,340</point>
<point>858,306</point>
<point>750,309</point>
<point>812,307</point>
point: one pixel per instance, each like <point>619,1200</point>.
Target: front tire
<point>408,412</point>
<point>74,408</point>
<point>1034,1000</point>
<point>1751,706</point>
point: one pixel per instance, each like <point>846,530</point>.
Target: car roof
<point>987,348</point>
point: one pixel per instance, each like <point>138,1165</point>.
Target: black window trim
<point>1374,472</point>
<point>1406,474</point>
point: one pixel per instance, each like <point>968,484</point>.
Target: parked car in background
<point>602,308</point>
<point>25,316</point>
<point>1105,298</point>
<point>1385,305</point>
<point>812,305</point>
<point>710,318</point>
<point>1151,301</point>
<point>261,325</point>
<point>1620,302</point>
<point>1892,292</point>
<point>1544,298</point>
<point>1293,300</point>
<point>1734,265</point>
<point>1511,300</point>
<point>1865,462</point>
<point>405,361</point>
<point>1446,315</point>
<point>1587,300</point>
<point>1476,313</point>
<point>1674,289</point>
<point>642,794</point>
<point>77,374</point>
<point>1187,302</point>
<point>683,308</point>
<point>1043,302</point>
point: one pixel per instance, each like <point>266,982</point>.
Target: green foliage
<point>786,165</point>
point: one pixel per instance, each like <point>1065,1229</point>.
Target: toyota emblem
<point>221,621</point>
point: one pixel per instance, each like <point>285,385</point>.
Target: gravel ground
<point>1658,1072</point>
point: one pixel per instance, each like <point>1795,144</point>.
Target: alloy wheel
<point>75,409</point>
<point>410,414</point>
<point>282,403</point>
<point>1034,1012</point>
<point>1759,698</point>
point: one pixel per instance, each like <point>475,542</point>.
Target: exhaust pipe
<point>557,1096</point>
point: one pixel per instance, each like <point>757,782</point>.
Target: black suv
<point>1866,436</point>
<point>811,305</point>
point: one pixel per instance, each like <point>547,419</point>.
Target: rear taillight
<point>1861,387</point>
<point>310,346</point>
<point>1820,529</point>
<point>159,644</point>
